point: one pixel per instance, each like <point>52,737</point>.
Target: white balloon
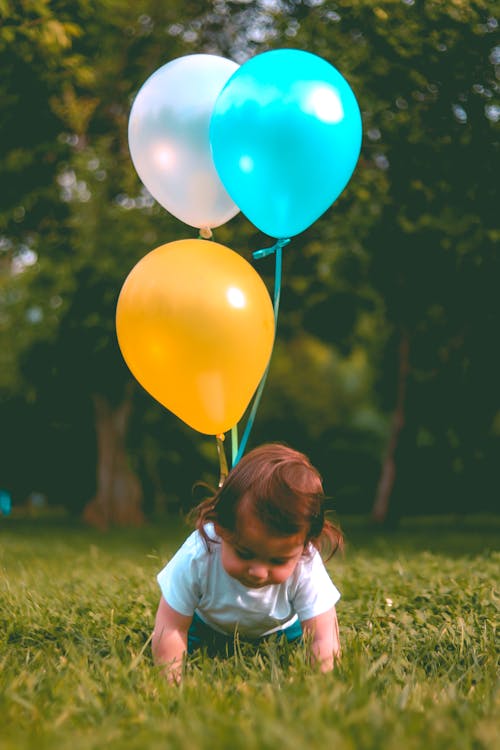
<point>169,142</point>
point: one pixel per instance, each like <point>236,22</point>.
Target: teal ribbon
<point>277,250</point>
<point>234,443</point>
<point>258,254</point>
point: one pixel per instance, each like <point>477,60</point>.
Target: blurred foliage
<point>411,247</point>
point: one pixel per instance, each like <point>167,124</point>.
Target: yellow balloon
<point>195,325</point>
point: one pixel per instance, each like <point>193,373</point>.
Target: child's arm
<point>325,643</point>
<point>169,641</point>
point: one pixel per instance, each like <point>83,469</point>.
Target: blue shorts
<point>202,636</point>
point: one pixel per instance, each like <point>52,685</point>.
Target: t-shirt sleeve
<point>315,592</point>
<point>179,579</point>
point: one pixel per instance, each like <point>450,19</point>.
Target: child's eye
<point>278,561</point>
<point>244,554</point>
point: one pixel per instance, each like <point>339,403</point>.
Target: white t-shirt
<point>195,581</point>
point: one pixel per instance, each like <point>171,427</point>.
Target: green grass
<point>417,620</point>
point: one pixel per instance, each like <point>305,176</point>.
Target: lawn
<point>417,617</point>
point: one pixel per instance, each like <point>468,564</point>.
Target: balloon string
<point>277,249</point>
<point>222,458</point>
<point>258,254</point>
<point>234,442</point>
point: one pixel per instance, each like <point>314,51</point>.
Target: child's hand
<point>169,641</point>
<point>325,642</point>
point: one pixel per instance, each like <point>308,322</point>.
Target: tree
<point>425,76</point>
<point>385,271</point>
<point>69,236</point>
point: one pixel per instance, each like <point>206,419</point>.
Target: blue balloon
<point>285,134</point>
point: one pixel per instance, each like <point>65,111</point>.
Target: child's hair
<point>285,492</point>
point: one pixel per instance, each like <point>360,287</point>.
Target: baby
<point>253,566</point>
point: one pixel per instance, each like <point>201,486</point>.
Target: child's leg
<point>202,636</point>
<point>293,632</point>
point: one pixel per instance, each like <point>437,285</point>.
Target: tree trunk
<point>118,498</point>
<point>388,472</point>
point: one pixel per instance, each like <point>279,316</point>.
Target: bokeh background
<point>385,369</point>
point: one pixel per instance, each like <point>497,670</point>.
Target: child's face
<point>255,556</point>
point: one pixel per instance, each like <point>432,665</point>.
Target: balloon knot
<point>270,250</point>
<point>206,233</point>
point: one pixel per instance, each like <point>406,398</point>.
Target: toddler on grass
<point>252,568</point>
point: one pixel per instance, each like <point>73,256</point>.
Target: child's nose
<point>257,571</point>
